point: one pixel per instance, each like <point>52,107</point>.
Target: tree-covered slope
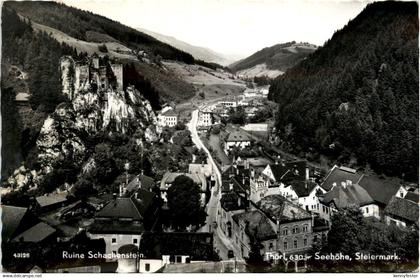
<point>79,24</point>
<point>356,98</point>
<point>277,57</point>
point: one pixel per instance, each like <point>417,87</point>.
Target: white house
<point>238,139</point>
<point>167,118</point>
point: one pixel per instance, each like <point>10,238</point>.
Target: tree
<point>237,116</point>
<point>184,203</point>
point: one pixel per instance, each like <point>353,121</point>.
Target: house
<point>381,191</point>
<point>168,118</point>
<point>291,180</point>
<point>50,202</point>
<point>206,118</point>
<point>123,220</point>
<point>230,203</point>
<point>340,175</point>
<point>198,178</point>
<point>229,103</point>
<point>402,213</point>
<point>252,226</point>
<point>160,249</point>
<point>293,224</point>
<point>237,139</point>
<point>350,195</point>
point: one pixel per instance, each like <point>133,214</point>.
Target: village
<point>253,195</point>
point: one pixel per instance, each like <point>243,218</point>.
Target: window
<point>295,243</point>
<point>295,230</point>
<point>285,245</point>
<point>271,246</point>
<point>315,238</point>
<point>178,259</point>
<point>114,240</point>
<point>367,210</point>
<point>134,240</point>
<point>305,242</point>
<point>147,267</point>
<point>114,252</point>
<point>305,228</point>
<point>402,194</point>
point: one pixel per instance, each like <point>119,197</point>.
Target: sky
<point>233,27</point>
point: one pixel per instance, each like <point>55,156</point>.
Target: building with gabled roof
<point>339,176</point>
<point>123,220</point>
<point>237,138</point>
<point>402,213</point>
<point>251,226</point>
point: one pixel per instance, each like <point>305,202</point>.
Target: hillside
<point>197,52</point>
<point>273,61</point>
<point>30,66</point>
<point>81,24</point>
<point>355,99</point>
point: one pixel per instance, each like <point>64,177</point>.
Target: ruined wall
<point>67,71</point>
<point>117,69</point>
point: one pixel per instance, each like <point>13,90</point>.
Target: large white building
<point>238,139</point>
<point>167,117</point>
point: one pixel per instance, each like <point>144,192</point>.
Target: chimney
<point>252,173</point>
<point>348,182</point>
<point>138,181</point>
<point>307,173</point>
<point>344,184</point>
<point>231,185</point>
<point>283,163</point>
<point>136,195</point>
<point>239,202</point>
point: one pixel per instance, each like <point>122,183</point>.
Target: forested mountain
<point>273,60</point>
<point>356,98</point>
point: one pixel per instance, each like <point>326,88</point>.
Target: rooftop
<point>346,196</point>
<point>414,197</point>
<point>52,199</point>
<point>146,183</point>
<point>403,209</point>
<point>127,208</point>
<point>380,190</point>
<point>11,218</point>
<point>238,136</point>
<point>337,175</point>
<point>231,201</point>
<point>37,233</point>
<point>281,209</point>
<point>256,225</point>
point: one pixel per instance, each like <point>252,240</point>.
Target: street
<point>221,242</point>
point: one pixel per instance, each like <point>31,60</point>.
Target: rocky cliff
<point>97,103</point>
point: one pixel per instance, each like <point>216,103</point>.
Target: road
<point>221,242</point>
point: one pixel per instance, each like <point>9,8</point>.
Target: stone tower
<point>67,71</point>
<point>117,69</point>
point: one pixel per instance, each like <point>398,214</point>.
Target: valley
<point>119,143</point>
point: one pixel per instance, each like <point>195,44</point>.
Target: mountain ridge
<point>273,60</point>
